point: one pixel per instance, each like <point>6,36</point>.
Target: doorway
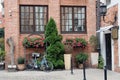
<point>108,51</point>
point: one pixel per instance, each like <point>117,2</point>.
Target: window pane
<point>83,10</point>
<point>66,22</point>
<point>45,9</point>
<point>83,22</point>
<point>31,9</point>
<point>36,9</point>
<point>79,22</point>
<point>31,22</point>
<point>37,28</point>
<point>22,15</point>
<point>79,10</point>
<point>75,10</point>
<point>66,10</point>
<point>22,9</point>
<point>83,16</point>
<point>70,10</point>
<point>42,28</point>
<point>26,9</point>
<point>37,22</point>
<point>70,22</point>
<point>22,21</point>
<point>41,15</point>
<point>41,9</point>
<point>37,15</point>
<point>31,15</point>
<point>75,15</point>
<point>79,16</point>
<point>70,28</point>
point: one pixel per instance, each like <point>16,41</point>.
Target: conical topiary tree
<point>55,48</point>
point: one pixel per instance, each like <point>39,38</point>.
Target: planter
<point>67,61</point>
<point>2,65</point>
<point>94,59</point>
<point>12,68</point>
<point>21,67</point>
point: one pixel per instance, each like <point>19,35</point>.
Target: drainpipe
<point>98,22</point>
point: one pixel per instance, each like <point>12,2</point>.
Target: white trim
<point>113,2</point>
<point>104,29</point>
<point>103,46</point>
<point>112,53</point>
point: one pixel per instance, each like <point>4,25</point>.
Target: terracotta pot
<point>80,66</point>
<point>21,67</point>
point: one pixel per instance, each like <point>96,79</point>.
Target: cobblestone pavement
<point>91,74</point>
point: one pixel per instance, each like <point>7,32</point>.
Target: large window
<point>73,19</point>
<point>33,19</point>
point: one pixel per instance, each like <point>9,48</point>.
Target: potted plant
<point>80,58</point>
<point>21,65</point>
<point>68,54</point>
<point>80,42</point>
<point>94,53</point>
<point>2,54</point>
<point>2,58</point>
<point>94,43</point>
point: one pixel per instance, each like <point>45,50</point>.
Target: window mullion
<point>73,19</point>
<point>34,18</point>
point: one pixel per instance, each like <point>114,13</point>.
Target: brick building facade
<point>13,12</point>
<point>111,53</point>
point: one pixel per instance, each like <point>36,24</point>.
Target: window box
<point>33,42</point>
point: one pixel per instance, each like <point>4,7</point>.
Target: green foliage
<point>100,62</point>
<point>51,28</point>
<point>94,42</point>
<point>2,51</point>
<point>1,32</point>
<point>2,55</point>
<point>21,60</point>
<point>81,57</point>
<point>55,48</point>
<point>2,43</point>
<point>82,41</point>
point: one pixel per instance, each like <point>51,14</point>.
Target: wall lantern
<point>103,10</point>
<point>114,31</point>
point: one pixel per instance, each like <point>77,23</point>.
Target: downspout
<point>98,24</point>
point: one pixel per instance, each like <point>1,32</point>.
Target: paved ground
<point>91,74</point>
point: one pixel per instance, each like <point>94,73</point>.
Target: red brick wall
<point>109,18</point>
<point>12,27</point>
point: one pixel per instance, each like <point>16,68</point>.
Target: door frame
<point>103,47</point>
